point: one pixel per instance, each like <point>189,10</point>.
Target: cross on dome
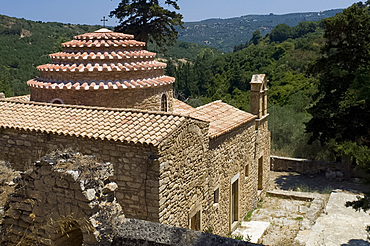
<point>104,20</point>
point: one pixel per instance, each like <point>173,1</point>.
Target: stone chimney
<point>259,95</point>
<point>2,95</point>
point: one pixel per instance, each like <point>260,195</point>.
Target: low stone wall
<point>132,232</point>
<point>303,166</point>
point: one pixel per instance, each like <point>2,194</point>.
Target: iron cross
<point>104,20</point>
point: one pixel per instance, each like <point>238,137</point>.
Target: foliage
<point>225,34</point>
<point>25,45</point>
<point>5,82</point>
<point>256,37</point>
<point>283,32</point>
<point>226,77</point>
<point>181,50</point>
<point>148,21</point>
<point>361,203</point>
<point>341,114</point>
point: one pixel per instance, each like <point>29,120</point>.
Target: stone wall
<point>139,98</point>
<point>263,148</point>
<point>69,199</point>
<point>183,180</point>
<point>303,166</point>
<point>230,154</point>
<point>135,171</point>
<point>193,167</point>
<point>66,199</point>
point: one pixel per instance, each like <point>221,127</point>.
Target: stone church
<point>198,168</point>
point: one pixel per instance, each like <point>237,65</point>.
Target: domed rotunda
<point>105,69</point>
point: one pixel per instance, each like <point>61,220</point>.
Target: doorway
<point>195,222</point>
<point>235,201</point>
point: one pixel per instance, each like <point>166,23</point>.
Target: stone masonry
<point>65,199</point>
<point>146,99</point>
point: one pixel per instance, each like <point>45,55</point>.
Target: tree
<point>148,21</point>
<point>341,114</point>
<point>280,33</point>
<point>5,86</point>
<point>256,37</point>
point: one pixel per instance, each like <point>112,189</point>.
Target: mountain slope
<point>224,34</point>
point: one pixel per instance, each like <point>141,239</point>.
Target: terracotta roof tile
<point>89,122</point>
<point>181,107</point>
<point>101,85</point>
<point>222,117</point>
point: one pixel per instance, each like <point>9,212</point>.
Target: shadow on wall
<point>356,242</point>
<point>139,232</point>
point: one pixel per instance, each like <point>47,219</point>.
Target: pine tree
<point>148,21</point>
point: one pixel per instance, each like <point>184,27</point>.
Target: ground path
<point>340,225</point>
<point>320,220</point>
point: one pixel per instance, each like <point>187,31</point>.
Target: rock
<point>73,173</point>
<point>330,174</point>
<point>339,174</point>
<point>90,194</point>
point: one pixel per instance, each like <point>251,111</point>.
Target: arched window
<point>164,103</point>
<point>57,101</point>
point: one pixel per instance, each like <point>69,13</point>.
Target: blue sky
<point>91,11</point>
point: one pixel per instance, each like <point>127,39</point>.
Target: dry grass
<point>7,174</point>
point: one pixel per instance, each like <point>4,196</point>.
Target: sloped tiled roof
<point>100,56</point>
<point>125,125</point>
<point>222,117</point>
<point>104,33</point>
<point>182,108</point>
<point>101,85</point>
<point>101,60</point>
<point>25,98</point>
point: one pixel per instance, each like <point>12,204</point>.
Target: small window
<point>216,195</point>
<point>57,101</point>
<point>246,171</point>
<point>164,103</point>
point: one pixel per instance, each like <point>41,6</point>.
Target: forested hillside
<point>26,44</point>
<point>224,34</point>
<point>284,61</point>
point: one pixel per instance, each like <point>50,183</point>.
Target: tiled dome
<point>102,60</point>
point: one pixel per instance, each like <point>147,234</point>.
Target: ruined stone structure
<point>198,168</point>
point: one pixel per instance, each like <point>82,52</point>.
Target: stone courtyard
<point>308,210</point>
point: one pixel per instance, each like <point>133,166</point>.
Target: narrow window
<point>216,196</point>
<point>260,173</point>
<point>164,103</point>
<point>246,171</point>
